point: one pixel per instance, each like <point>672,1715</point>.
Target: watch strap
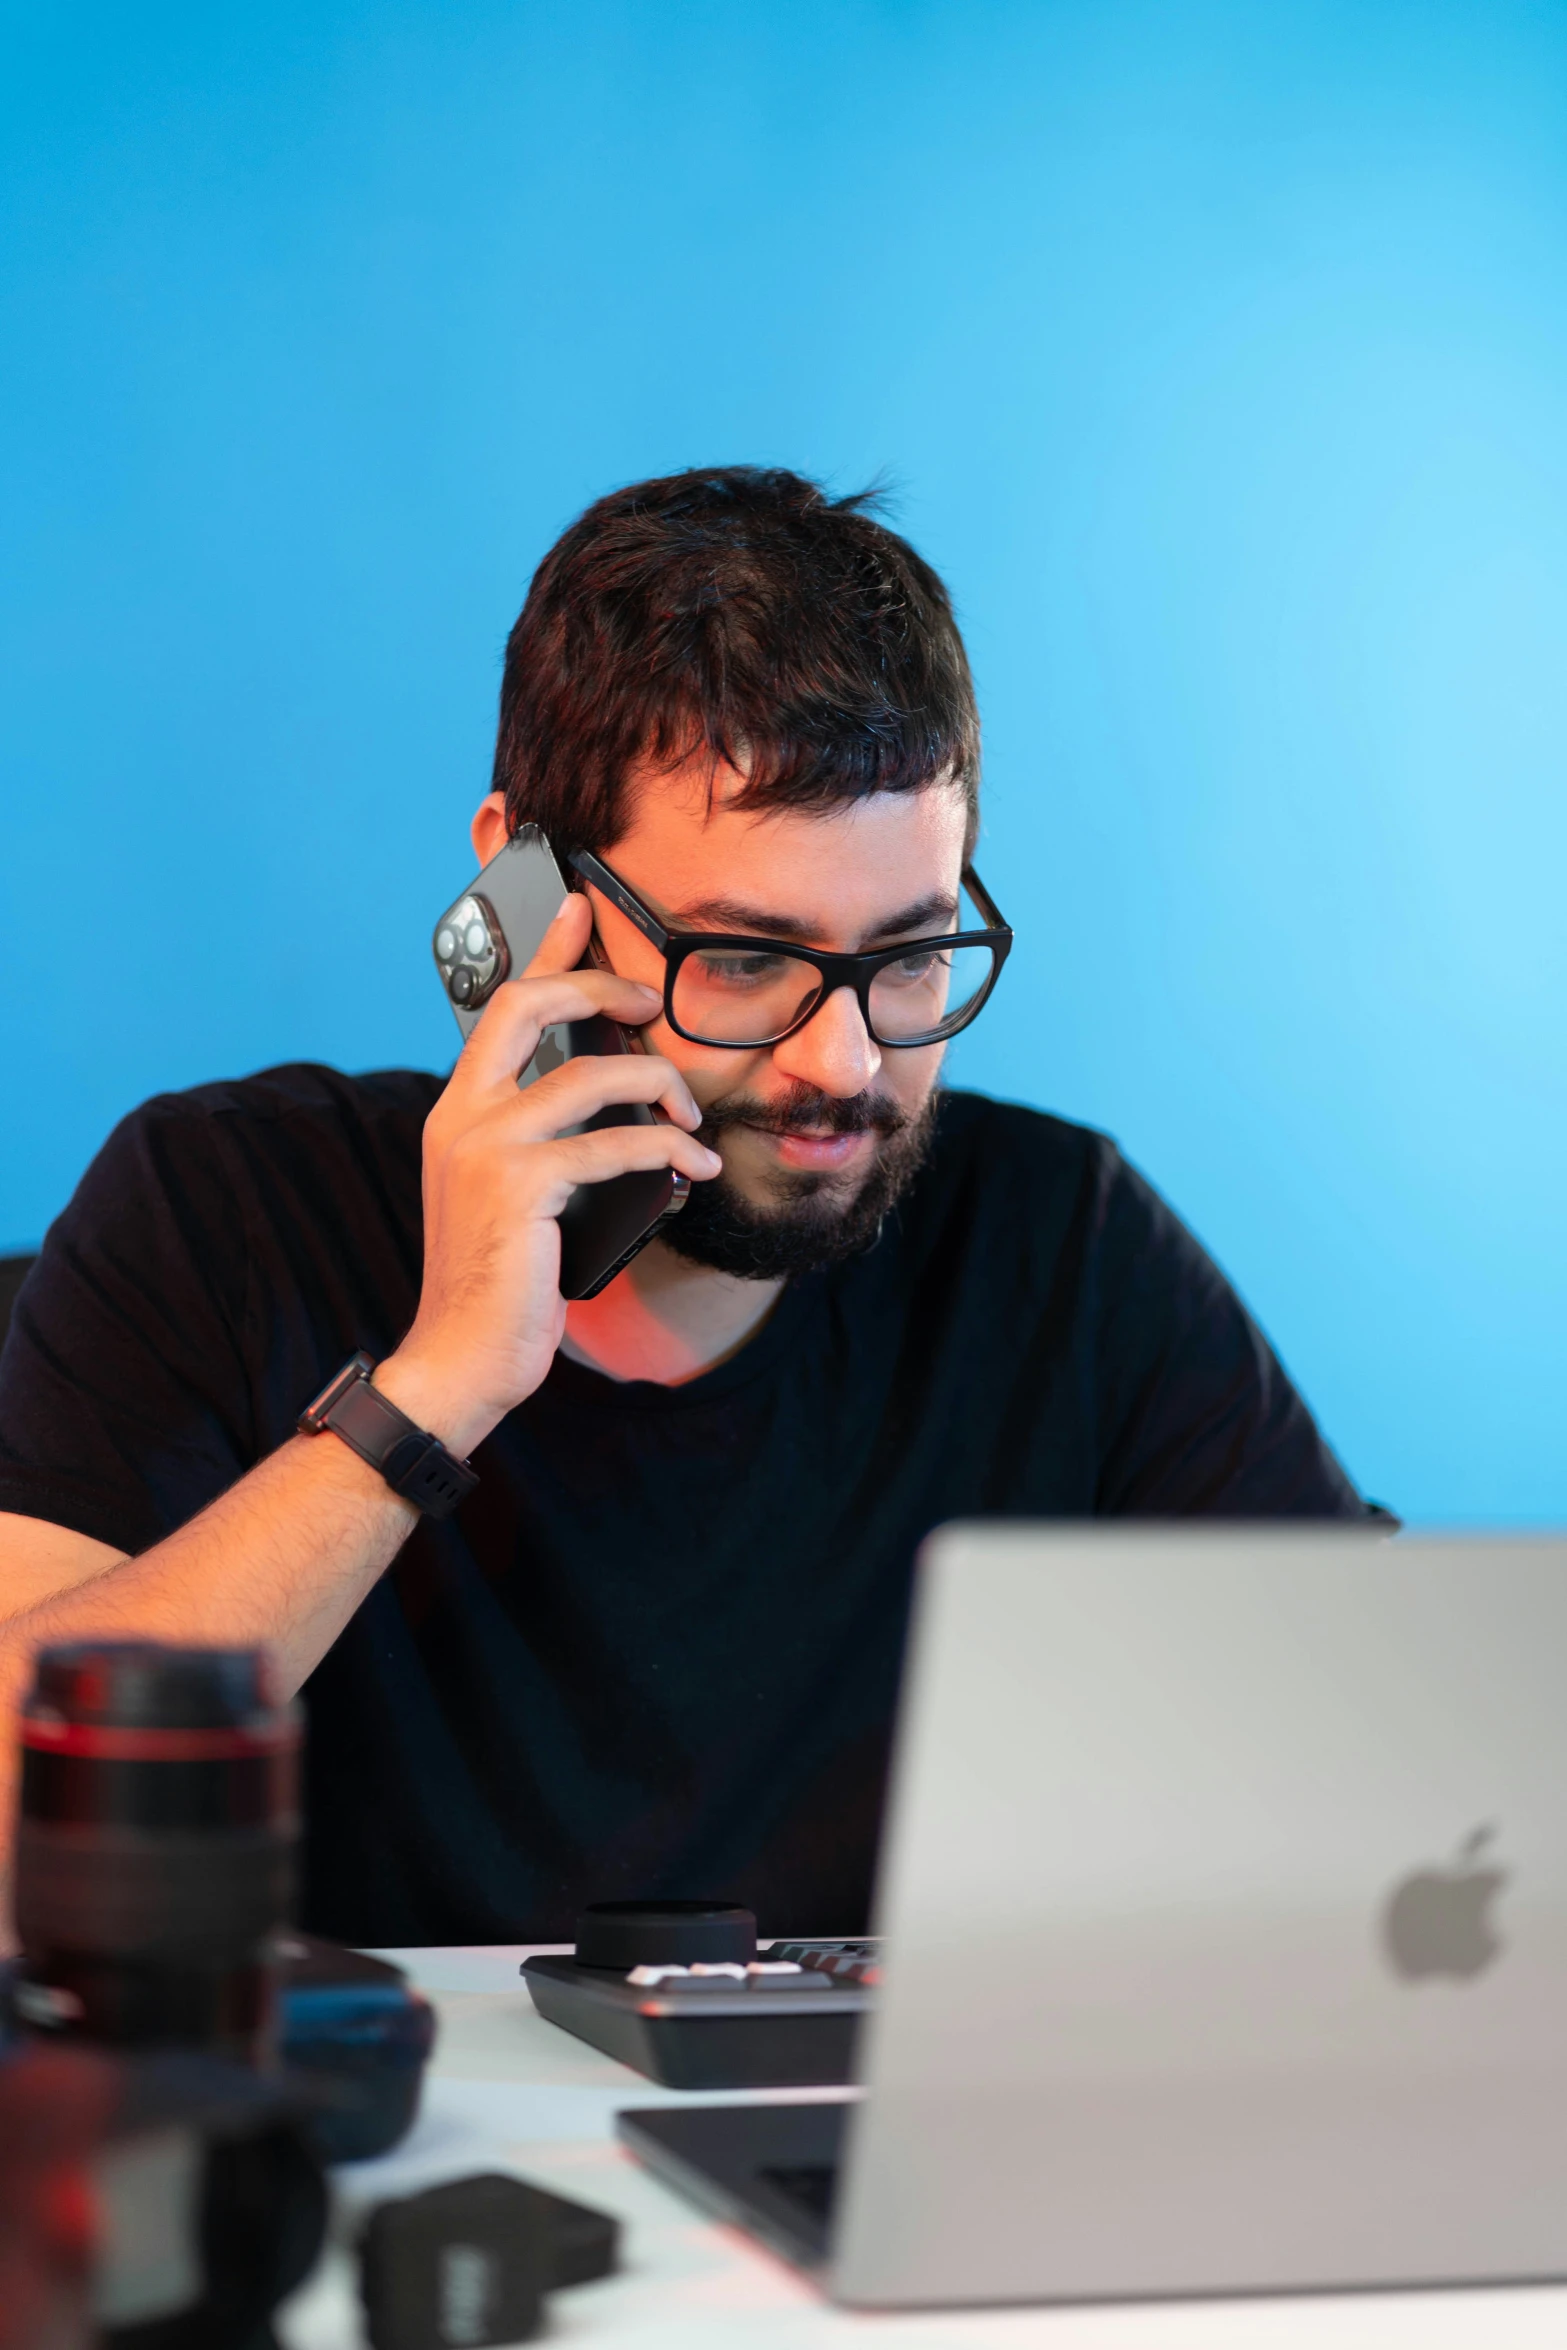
<point>414,1463</point>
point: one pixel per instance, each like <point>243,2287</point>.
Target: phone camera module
<point>470,952</point>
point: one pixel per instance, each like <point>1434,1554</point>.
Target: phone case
<point>488,935</point>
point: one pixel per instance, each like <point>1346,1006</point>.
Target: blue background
<point>1220,353</point>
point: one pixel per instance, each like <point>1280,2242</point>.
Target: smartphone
<point>492,932</point>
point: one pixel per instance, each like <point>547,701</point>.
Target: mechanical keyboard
<point>788,2019</point>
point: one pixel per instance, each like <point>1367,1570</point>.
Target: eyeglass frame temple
<point>994,918</point>
<point>593,869</point>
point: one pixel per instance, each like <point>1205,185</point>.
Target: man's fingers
<point>508,1031</point>
<point>625,1150</point>
<point>566,941</point>
<point>570,1095</point>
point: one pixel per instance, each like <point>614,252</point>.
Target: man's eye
<point>740,970</point>
<point>914,970</point>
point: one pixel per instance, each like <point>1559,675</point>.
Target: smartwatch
<point>414,1463</point>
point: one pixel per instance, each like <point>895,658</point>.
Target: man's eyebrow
<point>764,922</point>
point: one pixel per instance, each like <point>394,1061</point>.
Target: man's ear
<point>488,829</point>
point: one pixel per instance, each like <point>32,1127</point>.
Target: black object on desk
<point>789,2018</point>
<point>623,1934</point>
<point>353,2038</point>
<point>355,2025</point>
<point>470,2262</point>
<point>467,2263</point>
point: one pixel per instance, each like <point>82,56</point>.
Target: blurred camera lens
<point>156,1846</point>
<point>462,984</point>
<point>446,943</point>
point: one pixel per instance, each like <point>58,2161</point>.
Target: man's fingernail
<point>651,993</point>
<point>712,1158</point>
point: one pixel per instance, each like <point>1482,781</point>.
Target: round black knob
<point>624,1934</point>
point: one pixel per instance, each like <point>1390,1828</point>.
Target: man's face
<point>819,1133</point>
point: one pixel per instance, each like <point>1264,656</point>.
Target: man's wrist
<point>413,1461</point>
<point>435,1396</point>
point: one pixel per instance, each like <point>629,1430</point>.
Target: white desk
<point>508,2091</point>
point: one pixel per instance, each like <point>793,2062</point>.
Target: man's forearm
<point>280,1561</point>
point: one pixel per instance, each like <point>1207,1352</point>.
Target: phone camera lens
<point>476,938</point>
<point>446,943</point>
<point>462,984</point>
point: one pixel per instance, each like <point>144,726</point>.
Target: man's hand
<point>497,1173</point>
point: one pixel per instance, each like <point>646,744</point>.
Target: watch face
<point>312,1419</point>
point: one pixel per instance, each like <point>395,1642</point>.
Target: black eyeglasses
<point>749,992</point>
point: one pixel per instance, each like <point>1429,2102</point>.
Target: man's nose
<point>833,1051</point>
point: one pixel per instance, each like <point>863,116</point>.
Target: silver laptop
<point>1225,1905</point>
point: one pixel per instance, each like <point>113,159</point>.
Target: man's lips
<point>821,1150</point>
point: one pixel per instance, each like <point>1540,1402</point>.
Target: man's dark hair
<point>743,612</point>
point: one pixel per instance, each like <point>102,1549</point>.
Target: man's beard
<point>813,1223</point>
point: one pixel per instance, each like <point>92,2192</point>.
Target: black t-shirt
<point>657,1651</point>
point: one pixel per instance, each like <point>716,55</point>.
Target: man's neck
<point>666,1319</point>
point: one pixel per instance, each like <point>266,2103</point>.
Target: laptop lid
<point>1225,1889</point>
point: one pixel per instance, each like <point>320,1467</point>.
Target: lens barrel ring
<point>156,1845</point>
<point>143,1893</point>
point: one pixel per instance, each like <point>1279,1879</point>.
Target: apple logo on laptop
<point>1438,1921</point>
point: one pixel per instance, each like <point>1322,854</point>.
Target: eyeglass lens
<point>740,996</point>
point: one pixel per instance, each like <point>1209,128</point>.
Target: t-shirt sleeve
<point>124,1401</point>
<point>1196,1413</point>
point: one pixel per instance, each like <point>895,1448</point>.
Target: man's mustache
<point>802,1110</point>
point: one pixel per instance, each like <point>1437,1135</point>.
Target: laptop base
<point>770,2169</point>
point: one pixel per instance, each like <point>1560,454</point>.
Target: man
<point>655,1651</point>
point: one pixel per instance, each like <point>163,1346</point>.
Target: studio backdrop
<point>1217,354</point>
